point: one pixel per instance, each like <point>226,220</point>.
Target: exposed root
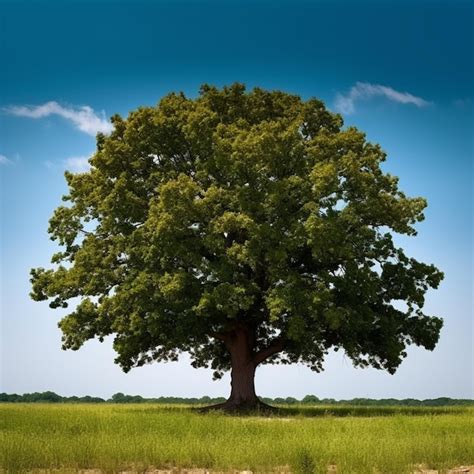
<point>238,407</point>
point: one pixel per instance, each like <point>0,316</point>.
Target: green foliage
<point>121,398</point>
<point>238,209</point>
<point>46,397</point>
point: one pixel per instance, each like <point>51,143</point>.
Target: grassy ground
<point>115,437</point>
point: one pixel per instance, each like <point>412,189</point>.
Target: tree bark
<point>242,395</point>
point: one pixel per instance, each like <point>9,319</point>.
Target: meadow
<point>113,437</point>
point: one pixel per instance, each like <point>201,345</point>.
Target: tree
<point>310,399</point>
<point>243,228</point>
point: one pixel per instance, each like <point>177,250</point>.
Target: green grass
<point>306,439</point>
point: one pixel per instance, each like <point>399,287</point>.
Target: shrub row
<point>51,397</point>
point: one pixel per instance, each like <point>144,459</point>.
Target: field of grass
<point>299,439</point>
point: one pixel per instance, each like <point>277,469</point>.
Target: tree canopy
<point>238,211</point>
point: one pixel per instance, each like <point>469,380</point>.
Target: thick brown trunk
<point>242,383</point>
<point>243,370</point>
<point>243,365</point>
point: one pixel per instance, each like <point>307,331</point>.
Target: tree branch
<point>276,346</point>
<point>219,335</point>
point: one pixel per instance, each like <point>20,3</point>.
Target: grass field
<point>137,437</point>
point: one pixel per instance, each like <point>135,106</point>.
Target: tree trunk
<point>242,395</point>
<point>243,365</point>
<point>242,381</point>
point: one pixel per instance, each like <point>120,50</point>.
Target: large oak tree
<point>243,228</point>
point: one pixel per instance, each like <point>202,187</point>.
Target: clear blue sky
<point>400,71</point>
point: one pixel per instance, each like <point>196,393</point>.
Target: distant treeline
<point>51,397</point>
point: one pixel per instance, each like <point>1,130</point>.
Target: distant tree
<point>50,397</point>
<point>118,397</point>
<point>310,399</point>
<point>89,399</point>
<point>243,228</point>
<point>121,398</point>
<point>7,397</point>
<point>42,397</point>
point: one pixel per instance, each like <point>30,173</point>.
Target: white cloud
<point>77,164</point>
<point>363,91</point>
<point>84,118</point>
<point>4,160</point>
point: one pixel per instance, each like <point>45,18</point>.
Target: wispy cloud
<point>84,118</point>
<point>4,160</point>
<point>77,164</point>
<point>345,103</point>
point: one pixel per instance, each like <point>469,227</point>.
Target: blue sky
<point>400,71</point>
